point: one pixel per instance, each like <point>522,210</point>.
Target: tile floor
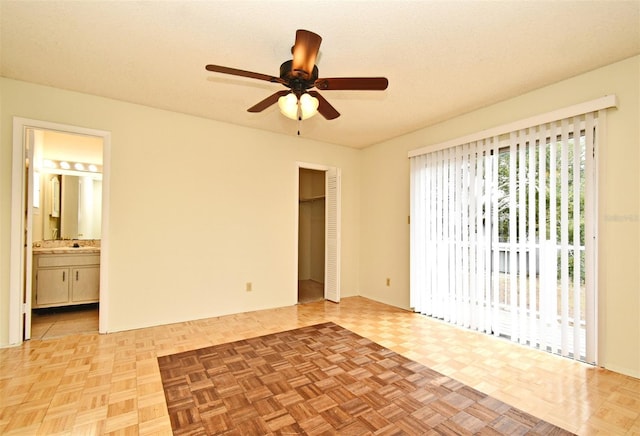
<point>110,384</point>
<point>57,322</point>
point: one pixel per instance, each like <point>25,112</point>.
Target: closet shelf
<point>309,199</point>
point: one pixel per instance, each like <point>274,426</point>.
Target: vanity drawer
<point>55,260</point>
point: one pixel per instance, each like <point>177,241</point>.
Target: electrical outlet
<point>388,281</point>
<point>249,287</point>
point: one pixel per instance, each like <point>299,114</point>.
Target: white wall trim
<point>16,259</point>
<point>18,187</point>
<point>605,102</point>
<point>312,166</point>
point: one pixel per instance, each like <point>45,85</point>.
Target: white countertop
<point>66,250</point>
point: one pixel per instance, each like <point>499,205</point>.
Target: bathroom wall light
<point>48,163</point>
<point>56,166</point>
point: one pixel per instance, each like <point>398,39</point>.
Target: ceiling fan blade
<point>243,73</point>
<point>324,107</point>
<point>273,98</point>
<point>305,52</point>
<point>352,83</point>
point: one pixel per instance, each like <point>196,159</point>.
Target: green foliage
<point>552,172</point>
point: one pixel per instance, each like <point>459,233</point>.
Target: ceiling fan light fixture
<point>288,105</point>
<point>308,106</point>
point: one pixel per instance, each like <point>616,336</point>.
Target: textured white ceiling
<point>442,58</point>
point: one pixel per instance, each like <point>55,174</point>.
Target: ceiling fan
<point>300,74</point>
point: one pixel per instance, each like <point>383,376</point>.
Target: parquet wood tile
<point>577,397</point>
<point>254,384</point>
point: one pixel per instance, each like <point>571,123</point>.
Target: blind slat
<point>564,238</point>
<point>522,237</point>
<point>577,233</point>
<point>532,300</point>
<point>513,232</point>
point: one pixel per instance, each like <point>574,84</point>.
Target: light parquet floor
<point>110,384</point>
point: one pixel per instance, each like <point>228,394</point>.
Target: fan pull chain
<point>299,117</point>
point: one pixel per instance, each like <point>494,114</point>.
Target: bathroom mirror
<point>72,206</point>
<point>67,184</point>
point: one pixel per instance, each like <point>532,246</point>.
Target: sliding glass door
<point>502,237</point>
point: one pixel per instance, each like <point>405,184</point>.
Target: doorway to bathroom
<point>66,231</point>
<point>59,201</point>
<point>318,233</point>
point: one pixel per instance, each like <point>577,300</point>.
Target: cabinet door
<point>85,284</point>
<point>52,286</point>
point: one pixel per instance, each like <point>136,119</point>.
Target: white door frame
<point>19,268</point>
<point>334,294</point>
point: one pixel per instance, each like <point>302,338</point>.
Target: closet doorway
<point>311,235</point>
<point>318,233</point>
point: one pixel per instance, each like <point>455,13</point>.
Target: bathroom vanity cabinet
<point>65,278</point>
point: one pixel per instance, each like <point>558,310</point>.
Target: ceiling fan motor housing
<point>297,80</point>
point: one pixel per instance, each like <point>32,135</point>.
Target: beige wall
<point>197,208</point>
<point>385,201</point>
<point>191,199</point>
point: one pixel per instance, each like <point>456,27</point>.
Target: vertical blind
<point>502,235</point>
